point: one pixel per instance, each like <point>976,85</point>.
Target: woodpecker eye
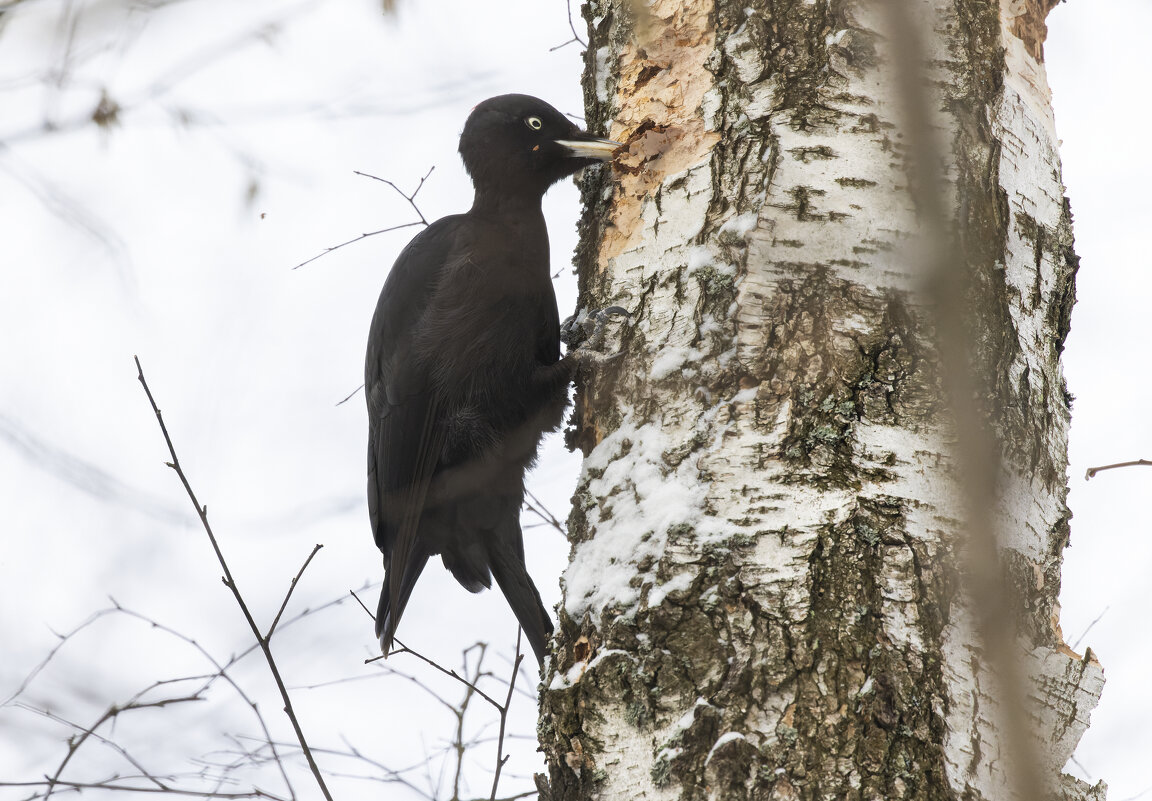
<point>535,123</point>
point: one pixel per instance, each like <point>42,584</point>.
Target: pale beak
<point>600,149</point>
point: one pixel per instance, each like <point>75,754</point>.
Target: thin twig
<point>326,251</point>
<point>533,504</point>
<point>1092,471</point>
<point>74,743</point>
<point>472,687</point>
<point>458,744</point>
<point>350,395</point>
<point>1084,633</point>
<point>289,622</point>
<point>410,198</point>
<point>221,671</point>
<point>500,758</point>
<point>64,638</point>
<point>404,649</point>
<point>411,202</point>
<point>292,587</point>
<point>256,793</point>
<point>1084,770</point>
<point>1140,794</point>
<point>431,692</point>
<point>571,27</point>
<point>230,582</point>
<point>353,753</point>
<point>362,606</point>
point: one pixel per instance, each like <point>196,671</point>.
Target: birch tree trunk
<point>767,594</point>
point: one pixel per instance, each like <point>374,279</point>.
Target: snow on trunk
<point>764,598</point>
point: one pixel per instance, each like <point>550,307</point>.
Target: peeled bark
<point>766,595</point>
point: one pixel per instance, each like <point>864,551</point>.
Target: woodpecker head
<point>518,144</point>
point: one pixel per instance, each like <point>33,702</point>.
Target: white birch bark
<point>763,598</point>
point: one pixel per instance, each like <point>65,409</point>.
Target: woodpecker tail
<point>387,618</point>
<point>507,562</point>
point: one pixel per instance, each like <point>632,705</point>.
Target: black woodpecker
<point>463,374</point>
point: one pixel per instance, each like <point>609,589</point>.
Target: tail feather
<point>512,576</point>
<point>388,618</point>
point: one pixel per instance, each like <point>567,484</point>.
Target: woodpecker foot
<point>585,329</point>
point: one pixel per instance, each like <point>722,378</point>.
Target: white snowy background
<point>171,234</point>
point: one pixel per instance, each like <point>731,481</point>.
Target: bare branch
<point>534,505</point>
<point>411,202</point>
<point>410,198</point>
<point>292,587</point>
<point>404,649</point>
<point>352,753</point>
<point>362,606</point>
<point>355,239</point>
<point>230,582</point>
<point>90,732</point>
<point>575,36</point>
<point>55,649</point>
<point>109,785</point>
<point>220,671</point>
<point>500,758</point>
<point>458,739</point>
<point>1092,471</point>
<point>350,395</point>
<point>1091,625</point>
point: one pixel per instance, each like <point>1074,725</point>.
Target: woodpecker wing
<point>406,430</point>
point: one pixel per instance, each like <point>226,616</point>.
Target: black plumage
<point>463,373</point>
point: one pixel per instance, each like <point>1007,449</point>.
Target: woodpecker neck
<point>498,201</point>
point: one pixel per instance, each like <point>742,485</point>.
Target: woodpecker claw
<point>585,330</point>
